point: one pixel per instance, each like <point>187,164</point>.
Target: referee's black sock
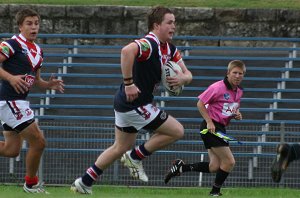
<point>197,167</point>
<point>220,178</point>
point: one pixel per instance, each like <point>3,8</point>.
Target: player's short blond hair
<point>236,63</point>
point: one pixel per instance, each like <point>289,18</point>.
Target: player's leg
<point>227,163</point>
<point>175,170</point>
<point>17,116</point>
<point>36,144</point>
<point>205,167</point>
<point>167,130</point>
<point>281,161</point>
<point>285,154</point>
<point>170,131</point>
<point>10,116</point>
<point>123,142</point>
<point>135,166</point>
<point>180,167</point>
<point>213,165</point>
<point>11,145</point>
<point>225,156</point>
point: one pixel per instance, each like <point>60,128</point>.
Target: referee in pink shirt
<point>218,104</point>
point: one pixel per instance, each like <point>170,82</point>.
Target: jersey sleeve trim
<point>145,49</point>
<point>176,56</point>
<point>6,49</point>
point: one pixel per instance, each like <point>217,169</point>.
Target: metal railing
<point>76,138</point>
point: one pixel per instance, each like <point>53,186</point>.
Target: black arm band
<point>128,84</point>
<point>127,79</point>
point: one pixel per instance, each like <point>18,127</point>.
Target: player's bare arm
<point>128,55</point>
<point>52,83</point>
<point>202,109</point>
<point>187,74</point>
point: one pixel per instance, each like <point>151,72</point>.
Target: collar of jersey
<point>228,85</point>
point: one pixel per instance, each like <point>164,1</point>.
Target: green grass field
<point>148,192</point>
<point>291,4</point>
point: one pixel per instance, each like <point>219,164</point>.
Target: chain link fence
<point>73,146</point>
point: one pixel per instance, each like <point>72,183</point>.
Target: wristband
<point>128,84</point>
<point>127,79</point>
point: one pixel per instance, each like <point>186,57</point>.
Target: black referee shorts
<point>211,140</point>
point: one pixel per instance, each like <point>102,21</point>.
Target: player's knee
<point>121,148</point>
<point>42,143</point>
<point>10,150</point>
<point>179,132</point>
<point>213,168</point>
<point>39,144</point>
<point>232,162</point>
<point>12,153</point>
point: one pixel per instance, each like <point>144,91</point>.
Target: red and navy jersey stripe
<point>23,58</point>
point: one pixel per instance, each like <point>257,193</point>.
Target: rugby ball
<point>168,70</point>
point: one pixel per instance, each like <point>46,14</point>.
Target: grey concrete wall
<point>131,20</point>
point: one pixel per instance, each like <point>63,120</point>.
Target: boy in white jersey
<point>21,60</point>
<point>218,104</point>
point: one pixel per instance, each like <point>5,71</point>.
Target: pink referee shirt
<point>221,102</point>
